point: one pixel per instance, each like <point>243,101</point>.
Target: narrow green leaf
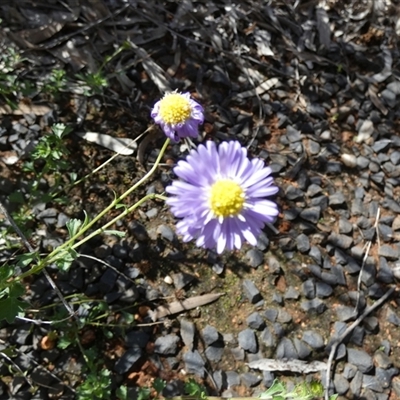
<point>114,232</point>
<point>24,260</point>
<point>73,226</point>
<point>6,272</point>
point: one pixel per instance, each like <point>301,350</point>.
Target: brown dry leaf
<point>25,109</point>
<point>39,35</point>
<point>184,305</point>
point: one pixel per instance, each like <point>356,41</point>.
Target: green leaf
<point>333,397</point>
<point>73,226</point>
<point>114,232</point>
<point>10,308</point>
<point>277,388</point>
<point>64,342</point>
<point>144,393</point>
<point>6,272</point>
<point>66,258</point>
<point>122,392</point>
<point>159,385</point>
<point>24,260</point>
<point>16,197</point>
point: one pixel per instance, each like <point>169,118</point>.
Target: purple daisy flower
<point>178,115</point>
<point>221,196</point>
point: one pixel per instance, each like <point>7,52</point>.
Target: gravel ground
<point>310,88</point>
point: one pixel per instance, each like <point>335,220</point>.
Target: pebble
<point>167,345</point>
<point>313,306</point>
<point>238,353</point>
<point>313,339</point>
<point>340,240</point>
<point>248,341</point>
<point>215,352</point>
<point>361,359</point>
<point>292,293</point>
<point>337,199</point>
<point>286,349</point>
<point>388,252</point>
<point>302,349</point>
<point>355,384</point>
<point>254,321</point>
<point>128,360</point>
<point>182,279</point>
<point>254,258</point>
<point>187,332</point>
<point>232,378</point>
<point>371,382</point>
<point>341,384</point>
<point>385,376</point>
<point>349,371</point>
<point>194,363</point>
<point>251,292</point>
<point>382,360</point>
<point>323,290</point>
<point>303,243</point>
<point>250,380</point>
<point>311,214</point>
<point>308,289</point>
<point>345,227</point>
<point>210,335</point>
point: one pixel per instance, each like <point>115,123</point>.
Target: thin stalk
<point>69,243</point>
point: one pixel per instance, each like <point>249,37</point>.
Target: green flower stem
<point>118,217</point>
<point>68,244</point>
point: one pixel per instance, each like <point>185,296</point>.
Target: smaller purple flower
<point>178,115</point>
<point>221,196</point>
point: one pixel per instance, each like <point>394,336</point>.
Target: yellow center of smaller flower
<point>227,198</point>
<point>174,108</point>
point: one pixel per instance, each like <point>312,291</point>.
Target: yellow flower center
<point>174,108</point>
<point>227,198</point>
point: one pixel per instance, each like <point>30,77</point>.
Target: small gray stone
<point>166,232</point>
<point>313,339</point>
<point>128,360</point>
<point>210,335</point>
<point>187,331</point>
<point>345,227</point>
<point>250,380</point>
<point>303,243</point>
<point>311,214</point>
<point>349,371</point>
<point>346,313</point>
<point>284,317</point>
<point>251,292</point>
<point>108,280</point>
<point>194,363</point>
<point>302,349</point>
<point>323,290</point>
<point>271,314</point>
<point>385,376</point>
<point>372,383</point>
<point>138,231</point>
<point>395,157</point>
<point>232,378</point>
<point>388,252</point>
<point>340,240</point>
<point>137,339</point>
<point>315,254</point>
<point>361,359</point>
<point>166,345</point>
<point>268,378</point>
<point>215,352</point>
<point>254,321</point>
<point>182,279</point>
<point>355,384</point>
<point>382,360</point>
<point>248,341</point>
<point>313,306</point>
<point>286,349</point>
<point>357,336</point>
<point>294,193</point>
<point>219,378</point>
<point>293,134</point>
<point>314,189</point>
<point>238,353</point>
<point>392,317</point>
<point>292,293</point>
<point>254,258</point>
<point>337,199</point>
<point>341,384</point>
<point>274,265</point>
<point>308,289</point>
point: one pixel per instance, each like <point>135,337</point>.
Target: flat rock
<point>361,359</point>
<point>194,363</point>
<point>313,339</point>
<point>339,240</point>
<point>128,360</point>
<point>167,345</point>
<point>187,332</point>
<point>247,341</point>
